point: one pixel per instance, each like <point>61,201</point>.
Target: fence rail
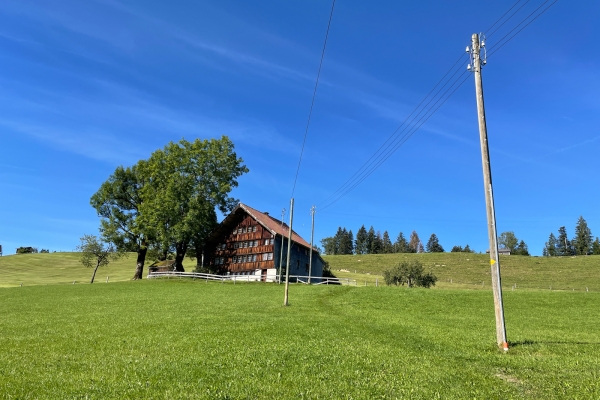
<point>252,278</point>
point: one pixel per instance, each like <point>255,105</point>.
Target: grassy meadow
<point>470,270</point>
<point>167,339</point>
<point>60,268</point>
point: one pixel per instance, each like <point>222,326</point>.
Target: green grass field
<point>167,339</point>
<point>468,270</point>
<point>57,268</point>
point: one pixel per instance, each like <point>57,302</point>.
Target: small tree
<point>412,274</point>
<point>95,253</point>
<point>596,247</point>
<point>521,249</point>
<point>582,243</point>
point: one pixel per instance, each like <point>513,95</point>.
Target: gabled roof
<point>272,224</point>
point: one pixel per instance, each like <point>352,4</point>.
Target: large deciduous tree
<point>184,183</point>
<point>118,202</point>
<point>415,243</point>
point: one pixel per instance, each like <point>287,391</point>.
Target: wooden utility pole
<point>289,251</point>
<point>281,252</point>
<point>313,210</point>
<point>489,194</point>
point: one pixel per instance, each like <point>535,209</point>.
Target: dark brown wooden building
<point>249,242</point>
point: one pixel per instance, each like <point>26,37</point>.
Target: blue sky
<point>87,86</point>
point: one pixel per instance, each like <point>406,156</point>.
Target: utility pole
<point>281,253</point>
<point>476,47</point>
<point>289,250</point>
<point>313,210</point>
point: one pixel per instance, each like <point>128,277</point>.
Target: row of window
<point>252,258</point>
<point>244,229</point>
<point>245,245</point>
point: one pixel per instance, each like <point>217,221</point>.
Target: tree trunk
<point>141,259</point>
<point>181,249</point>
<point>94,274</point>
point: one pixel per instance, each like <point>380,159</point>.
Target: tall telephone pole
<point>475,50</point>
<point>281,253</point>
<point>313,210</point>
<point>289,250</point>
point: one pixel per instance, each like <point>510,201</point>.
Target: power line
<point>403,140</point>
<point>377,154</point>
<point>499,45</point>
<point>312,103</point>
<point>508,19</point>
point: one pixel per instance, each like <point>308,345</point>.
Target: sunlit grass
<point>184,339</point>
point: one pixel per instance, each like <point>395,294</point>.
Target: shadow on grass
<point>532,343</point>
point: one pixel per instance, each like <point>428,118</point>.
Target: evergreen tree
<point>521,249</point>
<point>563,245</point>
<point>370,240</point>
<point>387,246</point>
<point>401,244</point>
<point>467,249</point>
<point>596,247</point>
<point>361,241</point>
<point>582,243</point>
<point>433,244</point>
<point>377,244</point>
<point>550,247</point>
<point>456,249</point>
<point>349,249</point>
<point>414,242</point>
<point>343,242</point>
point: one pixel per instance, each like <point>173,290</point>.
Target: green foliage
<point>508,240</point>
<point>582,243</point>
<point>409,273</point>
<point>341,243</point>
<point>460,249</point>
<point>387,247</point>
<point>361,245</point>
<point>401,245</point>
<point>95,253</point>
<point>26,250</point>
<point>596,247</point>
<point>550,247</point>
<point>185,183</point>
<point>433,244</point>
<point>521,249</point>
<point>564,246</point>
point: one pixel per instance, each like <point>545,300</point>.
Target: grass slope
<point>52,268</point>
<point>469,270</point>
<point>183,339</point>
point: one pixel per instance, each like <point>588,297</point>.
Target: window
<point>239,230</point>
<point>269,256</point>
<point>254,228</point>
<point>236,245</point>
<point>266,242</point>
<point>244,229</point>
<point>253,257</point>
<point>265,256</point>
<point>271,241</point>
<point>256,243</point>
<point>245,244</point>
<point>243,259</point>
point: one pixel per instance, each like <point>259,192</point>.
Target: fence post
<point>107,279</point>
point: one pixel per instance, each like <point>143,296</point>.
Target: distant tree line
<point>374,242</point>
<point>582,244</point>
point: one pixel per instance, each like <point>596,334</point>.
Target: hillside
<point>53,268</point>
<point>469,270</point>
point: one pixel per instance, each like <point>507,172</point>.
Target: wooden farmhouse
<point>249,242</point>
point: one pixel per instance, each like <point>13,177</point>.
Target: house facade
<point>250,243</point>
